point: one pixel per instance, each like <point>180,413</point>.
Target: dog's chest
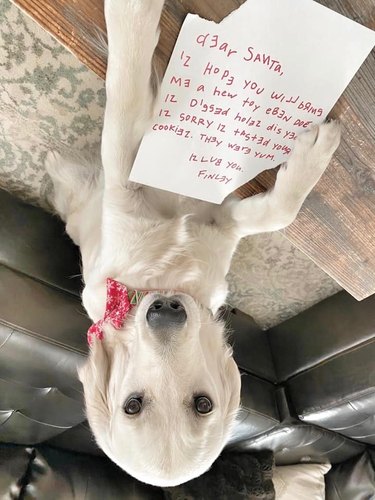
<point>168,205</point>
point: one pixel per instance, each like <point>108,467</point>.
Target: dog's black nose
<point>166,313</point>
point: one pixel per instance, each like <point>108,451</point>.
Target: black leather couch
<point>307,388</point>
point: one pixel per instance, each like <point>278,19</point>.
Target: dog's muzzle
<point>166,313</point>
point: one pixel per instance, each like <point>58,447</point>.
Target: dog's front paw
<point>310,157</point>
<point>312,153</point>
<point>142,10</point>
<point>321,141</point>
<point>132,24</point>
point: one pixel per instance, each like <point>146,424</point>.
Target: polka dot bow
<point>119,302</point>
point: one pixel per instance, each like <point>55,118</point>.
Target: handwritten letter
<point>237,94</point>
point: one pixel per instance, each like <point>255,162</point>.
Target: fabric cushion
<point>300,482</point>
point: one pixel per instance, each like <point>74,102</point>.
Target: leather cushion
<point>42,342</point>
<point>325,330</point>
<point>40,311</point>
<point>78,438</point>
<point>32,361</point>
<point>58,475</point>
<point>340,393</point>
<point>353,479</point>
<point>295,442</point>
<point>251,346</point>
<point>259,411</point>
<point>14,463</point>
<point>35,243</point>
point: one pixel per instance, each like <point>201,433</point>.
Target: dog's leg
<point>132,27</point>
<point>73,180</point>
<point>279,207</point>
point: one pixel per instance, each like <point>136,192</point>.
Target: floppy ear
<point>95,375</point>
<point>231,381</point>
<point>102,373</point>
<point>228,372</point>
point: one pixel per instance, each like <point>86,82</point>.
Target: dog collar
<point>119,302</point>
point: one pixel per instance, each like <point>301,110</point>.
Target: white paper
<point>237,94</point>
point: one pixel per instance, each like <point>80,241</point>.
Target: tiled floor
<point>49,100</point>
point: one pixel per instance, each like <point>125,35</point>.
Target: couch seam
<point>77,297</point>
<point>256,375</point>
<point>48,340</point>
<point>261,414</point>
<point>341,401</point>
<point>333,357</point>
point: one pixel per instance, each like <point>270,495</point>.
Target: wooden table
<point>336,227</point>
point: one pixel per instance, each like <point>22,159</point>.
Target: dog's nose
<point>166,313</point>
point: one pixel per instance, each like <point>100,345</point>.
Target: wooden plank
<point>75,24</point>
<point>336,227</point>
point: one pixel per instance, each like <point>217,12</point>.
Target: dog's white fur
<point>149,239</point>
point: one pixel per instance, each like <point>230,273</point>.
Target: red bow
<point>119,303</point>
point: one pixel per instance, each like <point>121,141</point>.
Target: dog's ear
<point>228,373</point>
<point>231,382</point>
<point>101,377</point>
<point>95,376</point>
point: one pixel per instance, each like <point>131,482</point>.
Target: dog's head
<point>162,393</point>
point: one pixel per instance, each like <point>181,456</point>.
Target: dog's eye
<point>203,405</point>
<point>133,406</point>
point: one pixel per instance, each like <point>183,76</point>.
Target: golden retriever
<point>162,391</point>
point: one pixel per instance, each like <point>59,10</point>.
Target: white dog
<point>161,388</point>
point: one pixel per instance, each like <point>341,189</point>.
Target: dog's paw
<point>321,141</point>
<point>310,158</point>
<point>115,10</point>
<point>132,27</point>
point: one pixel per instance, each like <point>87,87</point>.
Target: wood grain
<point>336,227</point>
